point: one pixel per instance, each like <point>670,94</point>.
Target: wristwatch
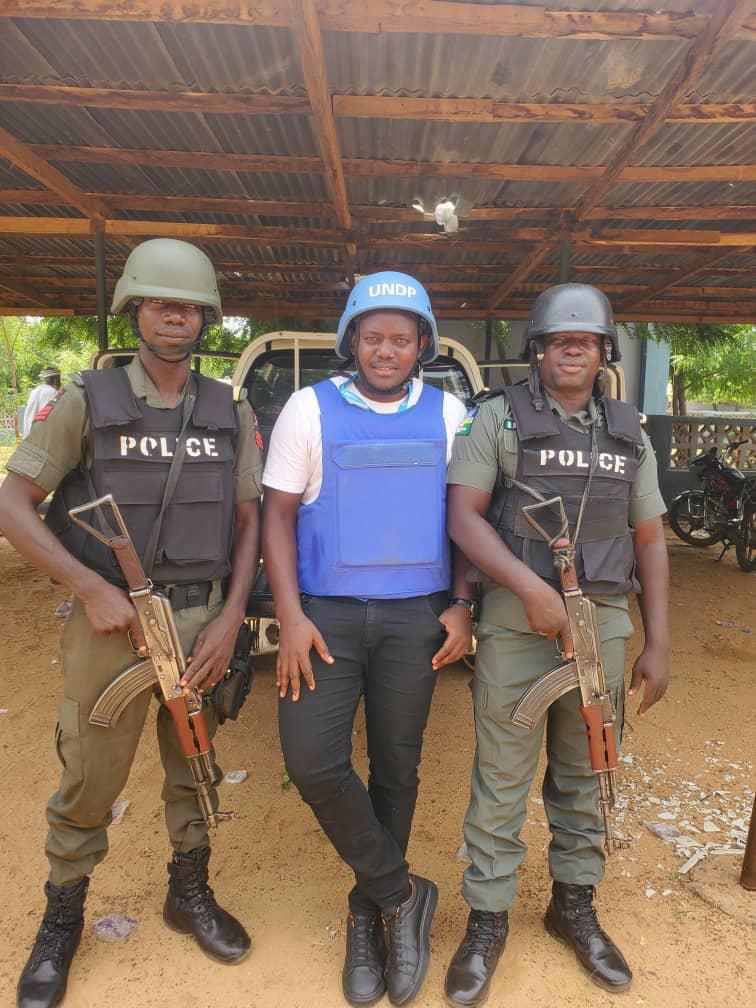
<point>468,603</point>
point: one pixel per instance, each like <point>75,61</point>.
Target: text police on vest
<point>569,459</point>
<point>162,447</point>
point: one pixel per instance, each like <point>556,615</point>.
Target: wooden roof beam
<point>14,310</point>
<point>525,268</point>
<point>489,110</point>
<point>24,289</point>
<point>720,28</point>
<point>306,31</point>
<point>381,16</point>
<point>372,213</point>
<point>684,273</point>
<point>475,110</point>
<point>370,167</point>
<point>24,157</point>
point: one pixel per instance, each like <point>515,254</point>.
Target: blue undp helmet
<point>388,290</point>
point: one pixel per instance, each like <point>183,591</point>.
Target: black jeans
<point>382,649</point>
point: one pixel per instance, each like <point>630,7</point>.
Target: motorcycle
<point>724,510</point>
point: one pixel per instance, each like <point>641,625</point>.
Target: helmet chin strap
<point>170,360</point>
<point>534,378</point>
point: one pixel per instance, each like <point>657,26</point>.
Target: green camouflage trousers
<point>506,760</point>
<point>97,760</point>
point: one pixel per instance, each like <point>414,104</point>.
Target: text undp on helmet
<point>391,290</point>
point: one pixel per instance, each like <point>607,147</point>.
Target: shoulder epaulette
<point>485,394</point>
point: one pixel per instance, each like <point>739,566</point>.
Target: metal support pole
<point>564,260</point>
<point>102,309</point>
<point>487,348</point>
<point>748,874</point>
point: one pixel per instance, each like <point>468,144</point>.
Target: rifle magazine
<point>118,695</point>
<point>538,698</point>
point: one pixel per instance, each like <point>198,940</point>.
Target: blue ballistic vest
<point>378,526</point>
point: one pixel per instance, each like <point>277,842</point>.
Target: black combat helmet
<point>572,307</point>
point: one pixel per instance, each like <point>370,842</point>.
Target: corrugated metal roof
<point>171,57</point>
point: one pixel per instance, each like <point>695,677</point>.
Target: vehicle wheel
<point>745,547</point>
<point>686,519</point>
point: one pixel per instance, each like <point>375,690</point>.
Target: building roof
<point>290,139</point>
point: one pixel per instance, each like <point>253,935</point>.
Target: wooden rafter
<point>496,241</point>
<point>700,266</point>
<point>488,110</point>
<point>25,289</point>
<point>371,167</point>
<point>499,20</point>
<point>24,157</point>
<point>525,268</point>
<point>371,213</point>
<point>306,31</point>
<point>480,110</point>
<point>724,23</point>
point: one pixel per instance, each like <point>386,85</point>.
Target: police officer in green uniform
<point>548,436</point>
<point>115,431</point>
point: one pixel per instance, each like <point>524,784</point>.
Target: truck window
<point>270,380</point>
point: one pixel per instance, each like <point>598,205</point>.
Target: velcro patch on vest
<point>577,462</point>
<point>162,446</point>
<point>46,410</point>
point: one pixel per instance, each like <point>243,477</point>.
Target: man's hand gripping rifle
<point>585,670</point>
<point>164,661</point>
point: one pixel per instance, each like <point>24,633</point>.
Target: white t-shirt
<point>295,455</point>
<point>38,397</point>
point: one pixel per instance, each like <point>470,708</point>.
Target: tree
<point>712,362</point>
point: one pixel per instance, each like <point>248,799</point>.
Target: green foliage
<point>724,371</point>
<point>716,363</point>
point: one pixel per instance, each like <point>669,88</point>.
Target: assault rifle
<point>164,663</point>
<point>585,671</point>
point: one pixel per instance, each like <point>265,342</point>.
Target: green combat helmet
<point>170,270</point>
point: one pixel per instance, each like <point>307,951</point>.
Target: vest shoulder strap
<point>530,423</point>
<point>622,420</point>
<point>110,399</point>
<point>214,408</point>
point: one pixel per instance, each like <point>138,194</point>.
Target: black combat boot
<point>407,931</point>
<point>469,975</point>
<point>44,978</point>
<point>571,918</point>
<point>190,908</point>
<point>362,977</point>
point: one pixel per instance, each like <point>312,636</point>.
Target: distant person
<point>40,396</point>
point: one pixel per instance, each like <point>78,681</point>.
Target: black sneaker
<point>407,932</point>
<point>362,977</point>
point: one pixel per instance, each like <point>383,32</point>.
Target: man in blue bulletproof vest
<point>356,550</point>
<point>557,436</point>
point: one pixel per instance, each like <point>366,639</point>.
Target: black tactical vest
<point>131,449</point>
<point>554,459</point>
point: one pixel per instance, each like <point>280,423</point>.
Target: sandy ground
<point>690,939</point>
